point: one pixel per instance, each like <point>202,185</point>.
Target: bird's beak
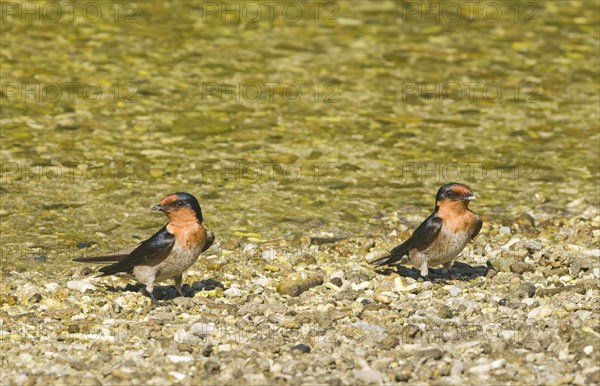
<point>470,197</point>
<point>158,207</point>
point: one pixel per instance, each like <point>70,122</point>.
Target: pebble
<point>80,285</point>
<point>232,292</point>
<point>533,246</point>
<point>373,255</point>
<point>520,267</point>
<point>35,298</point>
<point>302,348</point>
<point>487,367</point>
<point>177,375</point>
<point>540,312</point>
<point>202,328</point>
<point>180,358</point>
<point>362,286</point>
<point>389,342</point>
<point>445,312</point>
<point>433,353</point>
<point>457,368</point>
<point>263,282</point>
<point>504,230</point>
<point>525,290</point>
<point>381,298</point>
<point>121,374</point>
<point>296,287</point>
<point>212,367</point>
<point>454,291</point>
<point>368,376</point>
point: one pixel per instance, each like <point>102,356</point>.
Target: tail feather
<point>99,259</point>
<point>117,256</point>
<point>387,260</point>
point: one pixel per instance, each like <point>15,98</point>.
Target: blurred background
<point>289,119</point>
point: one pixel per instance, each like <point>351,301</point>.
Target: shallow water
<point>287,127</point>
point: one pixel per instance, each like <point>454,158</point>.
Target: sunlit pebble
<point>505,230</point>
<point>453,291</point>
<point>588,350</point>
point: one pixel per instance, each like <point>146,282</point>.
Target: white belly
<point>443,250</point>
<point>178,261</point>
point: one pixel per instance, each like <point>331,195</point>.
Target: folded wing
<point>421,238</point>
<point>151,252</point>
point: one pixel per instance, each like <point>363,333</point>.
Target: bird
<point>169,252</point>
<point>442,236</point>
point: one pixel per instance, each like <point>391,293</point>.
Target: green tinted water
<point>289,127</point>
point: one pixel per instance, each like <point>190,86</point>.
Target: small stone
<point>10,300</point>
<point>454,290</point>
<point>405,373</point>
<point>381,298</point>
<point>520,267</point>
<point>525,290</point>
<point>491,273</point>
<point>180,358</point>
<point>337,281</point>
<point>582,262</point>
<point>184,302</point>
<point>177,375</point>
<point>212,367</point>
<point>208,350</point>
<point>499,264</point>
<point>373,255</point>
<point>368,376</point>
<point>457,368</point>
<point>593,378</point>
<point>301,347</point>
<point>346,295</point>
<point>487,367</point>
<point>389,342</point>
<point>291,324</point>
<point>74,328</point>
<point>202,329</point>
<point>445,312</point>
<point>588,350</point>
<point>504,230</point>
<point>584,337</point>
<point>540,312</point>
<point>35,298</point>
<point>433,353</point>
<point>570,306</point>
<point>232,292</point>
<point>533,246</point>
<point>296,287</point>
<point>121,374</point>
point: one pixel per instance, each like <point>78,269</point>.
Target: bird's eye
<point>179,203</point>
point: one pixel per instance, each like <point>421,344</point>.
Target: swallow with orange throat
<point>169,252</point>
<point>442,236</point>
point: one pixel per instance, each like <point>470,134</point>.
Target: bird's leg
<point>149,289</point>
<point>178,284</point>
<point>447,265</point>
<point>424,270</point>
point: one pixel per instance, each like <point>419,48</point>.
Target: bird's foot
<point>148,293</point>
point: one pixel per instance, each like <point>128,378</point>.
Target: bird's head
<point>180,207</point>
<point>454,194</point>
